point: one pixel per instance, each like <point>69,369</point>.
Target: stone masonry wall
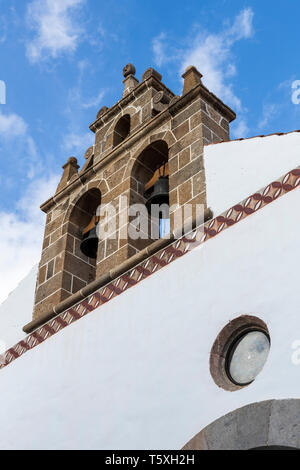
<point>184,123</point>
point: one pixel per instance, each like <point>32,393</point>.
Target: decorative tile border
<point>156,262</point>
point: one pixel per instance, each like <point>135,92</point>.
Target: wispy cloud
<point>76,97</point>
<point>158,47</point>
<point>22,233</point>
<point>14,129</point>
<point>55,27</point>
<point>78,143</point>
<point>12,125</point>
<point>76,140</point>
<point>269,112</point>
<point>93,102</point>
<point>240,130</point>
<point>212,54</point>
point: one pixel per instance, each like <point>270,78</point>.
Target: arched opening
<point>122,130</point>
<point>265,425</point>
<point>150,189</point>
<point>82,223</point>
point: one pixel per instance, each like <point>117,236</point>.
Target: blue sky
<point>62,60</point>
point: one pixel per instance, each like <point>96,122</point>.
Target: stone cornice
<point>175,107</point>
<point>151,82</point>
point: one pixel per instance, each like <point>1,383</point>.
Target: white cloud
<point>158,48</point>
<point>240,129</point>
<point>14,128</point>
<point>269,112</point>
<point>55,28</point>
<point>78,143</point>
<point>22,233</point>
<point>242,27</point>
<point>12,125</point>
<point>211,54</point>
<point>75,93</point>
<point>93,102</point>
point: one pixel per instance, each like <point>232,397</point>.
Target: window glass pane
<point>164,227</point>
<point>248,357</point>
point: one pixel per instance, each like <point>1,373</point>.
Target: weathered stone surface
<point>192,77</point>
<point>79,268</point>
<point>70,170</point>
<point>271,423</point>
<point>173,164</point>
<point>42,274</point>
<point>253,425</point>
<point>186,173</point>
<point>53,299</point>
<point>185,192</point>
<point>52,285</point>
<point>150,72</point>
<point>285,423</point>
<point>214,127</point>
<point>54,249</point>
<point>50,269</point>
<point>184,157</point>
<point>183,125</point>
<point>181,130</point>
<point>77,284</point>
<point>219,435</point>
<point>186,114</point>
<point>198,183</point>
<point>186,141</point>
<point>112,261</point>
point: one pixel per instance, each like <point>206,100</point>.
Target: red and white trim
<point>156,262</point>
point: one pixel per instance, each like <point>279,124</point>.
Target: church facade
<point>175,329</point>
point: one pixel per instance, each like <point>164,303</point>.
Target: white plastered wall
<point>235,170</point>
<point>16,311</point>
<point>134,374</point>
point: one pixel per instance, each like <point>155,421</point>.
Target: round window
<point>239,352</point>
<point>247,357</point>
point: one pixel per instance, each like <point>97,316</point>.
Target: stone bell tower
<point>147,132</point>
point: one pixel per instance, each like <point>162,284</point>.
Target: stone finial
<point>89,153</point>
<point>130,82</point>
<point>89,157</point>
<point>192,77</point>
<point>102,111</point>
<point>70,170</point>
<point>150,72</point>
<point>129,69</point>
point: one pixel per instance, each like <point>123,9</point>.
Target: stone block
<point>221,434</point>
<point>50,269</point>
<point>77,284</point>
<point>253,425</point>
<point>285,423</point>
<point>185,192</point>
<point>184,157</point>
<point>181,130</point>
<point>185,114</point>
<point>186,173</point>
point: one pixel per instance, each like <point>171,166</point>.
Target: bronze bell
<point>89,244</point>
<point>160,193</point>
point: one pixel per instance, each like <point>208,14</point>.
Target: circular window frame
<point>225,345</point>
